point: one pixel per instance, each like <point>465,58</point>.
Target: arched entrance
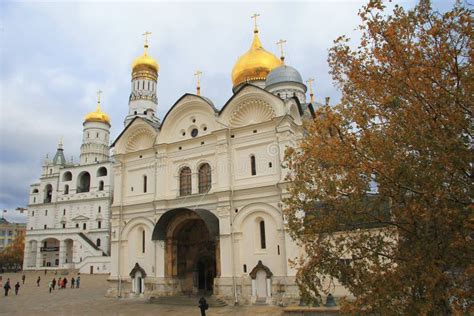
<point>192,248</point>
<point>50,252</point>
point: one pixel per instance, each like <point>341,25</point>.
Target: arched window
<point>185,181</point>
<point>144,184</point>
<point>101,185</point>
<point>102,171</point>
<point>83,182</point>
<point>48,193</point>
<point>98,242</point>
<point>253,167</point>
<point>204,178</point>
<point>263,243</point>
<point>66,189</point>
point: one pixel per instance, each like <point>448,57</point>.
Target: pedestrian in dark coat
<point>23,278</point>
<point>64,283</point>
<point>78,282</point>
<point>72,282</point>
<point>38,281</point>
<point>203,306</point>
<point>17,287</point>
<point>7,287</point>
<point>54,283</point>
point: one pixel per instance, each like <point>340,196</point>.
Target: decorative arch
<point>140,139</point>
<point>48,193</point>
<point>258,207</point>
<point>260,266</point>
<point>135,222</point>
<point>136,269</point>
<point>83,182</point>
<point>251,112</point>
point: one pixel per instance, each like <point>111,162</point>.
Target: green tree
<point>403,130</point>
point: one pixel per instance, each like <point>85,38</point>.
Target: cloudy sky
<point>54,56</point>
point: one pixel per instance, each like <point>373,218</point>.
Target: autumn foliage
<point>11,258</point>
<point>380,189</point>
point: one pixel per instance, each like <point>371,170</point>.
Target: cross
<point>98,95</point>
<point>198,74</point>
<point>280,43</point>
<point>310,84</point>
<point>146,37</point>
<point>254,16</point>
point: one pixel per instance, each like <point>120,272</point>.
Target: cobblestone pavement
<point>90,300</point>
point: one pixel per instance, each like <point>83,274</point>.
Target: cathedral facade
<point>69,208</point>
<point>197,205</point>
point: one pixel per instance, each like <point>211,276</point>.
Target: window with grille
<point>185,181</point>
<point>204,178</point>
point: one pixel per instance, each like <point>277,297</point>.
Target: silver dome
<point>283,73</point>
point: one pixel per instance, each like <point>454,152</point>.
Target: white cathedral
<point>191,203</point>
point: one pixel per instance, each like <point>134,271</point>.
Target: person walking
<point>78,282</point>
<point>203,306</point>
<point>23,277</point>
<point>7,287</point>
<point>72,282</point>
<point>50,286</point>
<point>64,283</point>
<point>38,281</point>
<point>17,287</point>
<point>45,271</point>
<point>54,283</point>
<point>60,283</point>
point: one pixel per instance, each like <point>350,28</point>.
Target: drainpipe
<point>120,231</point>
<point>231,202</point>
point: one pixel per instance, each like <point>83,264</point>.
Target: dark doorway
<point>92,270</point>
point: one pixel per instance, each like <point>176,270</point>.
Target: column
<point>27,255</point>
<point>269,287</point>
<point>254,287</point>
<point>62,253</point>
<point>39,255</point>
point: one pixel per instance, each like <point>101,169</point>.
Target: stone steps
<point>183,300</point>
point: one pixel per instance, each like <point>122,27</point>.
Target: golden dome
<point>254,64</point>
<point>97,116</point>
<point>145,62</point>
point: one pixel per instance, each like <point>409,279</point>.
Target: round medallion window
<point>194,132</point>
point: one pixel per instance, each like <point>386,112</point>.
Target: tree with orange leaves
<point>12,256</point>
<point>380,189</point>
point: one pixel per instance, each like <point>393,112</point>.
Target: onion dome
<point>284,73</point>
<point>97,116</point>
<point>255,64</point>
<point>145,62</point>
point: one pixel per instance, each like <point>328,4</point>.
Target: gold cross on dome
<point>198,74</point>
<point>280,43</point>
<point>146,37</point>
<point>99,92</point>
<point>310,84</point>
<point>254,17</point>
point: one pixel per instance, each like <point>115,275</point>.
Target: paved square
<point>90,300</point>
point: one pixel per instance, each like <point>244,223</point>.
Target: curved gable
<point>138,136</point>
<point>188,113</point>
<point>251,105</point>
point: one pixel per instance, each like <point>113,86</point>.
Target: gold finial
<point>254,17</point>
<point>310,84</point>
<point>280,43</point>
<point>198,74</point>
<point>146,40</point>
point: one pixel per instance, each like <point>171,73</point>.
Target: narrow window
<point>45,227</point>
<point>144,184</point>
<point>34,200</point>
<point>245,268</point>
<point>77,225</point>
<point>64,212</point>
<point>98,242</point>
<point>99,224</point>
<point>101,185</point>
<point>148,85</point>
<point>64,225</point>
<point>253,167</point>
<point>278,249</point>
<point>66,189</point>
<point>143,241</point>
<point>263,243</point>
<point>96,135</point>
<point>45,212</point>
<point>84,226</point>
<point>204,178</point>
<point>99,209</point>
<point>185,181</point>
<point>143,85</point>
<point>33,213</point>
